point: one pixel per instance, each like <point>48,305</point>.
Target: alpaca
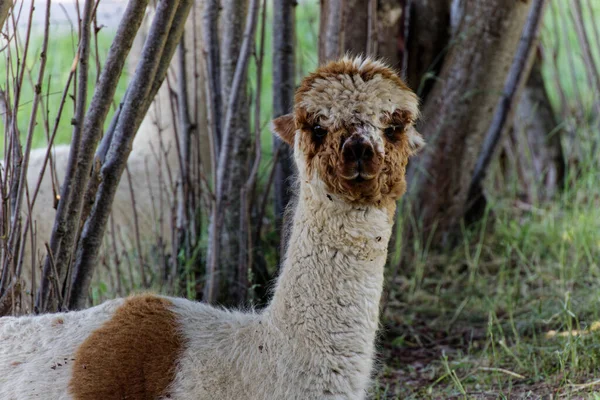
<point>153,160</point>
<point>352,134</point>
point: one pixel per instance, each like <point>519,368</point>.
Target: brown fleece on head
<point>323,153</point>
<point>132,356</point>
<point>347,67</point>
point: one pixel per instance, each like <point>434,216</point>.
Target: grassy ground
<point>496,319</point>
<point>514,312</point>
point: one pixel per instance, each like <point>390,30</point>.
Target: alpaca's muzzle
<point>359,159</point>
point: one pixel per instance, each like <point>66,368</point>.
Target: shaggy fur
<point>139,345</point>
<point>316,338</point>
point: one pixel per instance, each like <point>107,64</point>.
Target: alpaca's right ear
<point>285,128</point>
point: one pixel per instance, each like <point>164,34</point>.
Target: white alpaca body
<point>36,353</point>
<point>315,340</point>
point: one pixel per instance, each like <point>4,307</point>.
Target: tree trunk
<point>388,32</point>
<point>540,149</point>
<point>370,27</point>
<point>331,30</point>
<point>284,13</point>
<point>163,38</point>
<point>233,16</point>
<point>428,37</point>
<point>4,8</point>
<point>458,113</point>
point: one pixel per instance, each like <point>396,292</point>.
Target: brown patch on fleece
<point>132,356</point>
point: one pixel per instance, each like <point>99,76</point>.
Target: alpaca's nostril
<point>367,152</point>
<point>357,150</point>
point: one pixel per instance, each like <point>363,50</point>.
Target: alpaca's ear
<point>285,128</point>
<point>415,141</point>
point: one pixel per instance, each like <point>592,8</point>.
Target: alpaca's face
<point>352,129</point>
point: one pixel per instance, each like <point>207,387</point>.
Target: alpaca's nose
<point>357,148</point>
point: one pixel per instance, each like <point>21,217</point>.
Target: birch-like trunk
<point>458,114</point>
<point>284,14</point>
<point>233,17</point>
<point>540,150</point>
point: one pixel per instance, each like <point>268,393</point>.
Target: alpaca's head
<point>352,130</point>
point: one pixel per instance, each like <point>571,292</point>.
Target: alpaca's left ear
<point>415,141</point>
<point>285,128</point>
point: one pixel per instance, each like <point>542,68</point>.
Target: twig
<point>136,227</point>
<point>14,233</point>
<point>504,371</point>
<point>223,169</point>
<point>67,216</point>
<point>583,386</point>
<point>163,37</point>
<point>15,151</point>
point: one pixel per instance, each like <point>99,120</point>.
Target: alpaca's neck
<point>330,285</point>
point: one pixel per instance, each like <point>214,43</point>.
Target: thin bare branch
<point>223,169</point>
<point>22,181</point>
<point>64,229</point>
<point>246,254</point>
<point>210,33</point>
<point>284,67</point>
<point>162,41</point>
<point>136,227</point>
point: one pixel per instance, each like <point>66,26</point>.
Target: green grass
<point>561,48</point>
<point>61,52</point>
<point>478,320</point>
<point>478,323</point>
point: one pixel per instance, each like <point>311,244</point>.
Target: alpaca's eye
<point>390,131</point>
<point>319,131</point>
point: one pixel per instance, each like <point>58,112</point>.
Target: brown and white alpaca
<point>352,132</point>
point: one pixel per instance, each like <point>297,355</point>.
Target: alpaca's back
<point>142,347</point>
<point>37,353</point>
<point>151,347</point>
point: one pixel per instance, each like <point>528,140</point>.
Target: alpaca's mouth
<point>359,177</point>
<point>357,172</point>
